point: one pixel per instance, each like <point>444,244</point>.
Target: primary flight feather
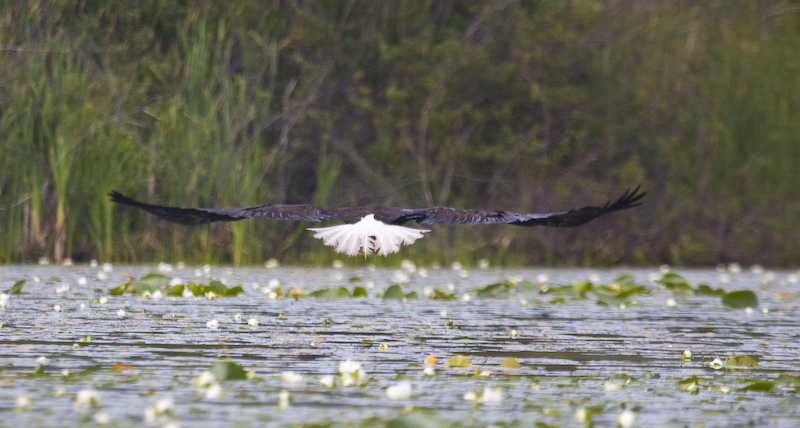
<point>374,229</point>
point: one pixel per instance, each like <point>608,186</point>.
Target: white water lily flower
<point>293,378</point>
<point>626,418</point>
<point>103,300</point>
<point>717,364</point>
<point>271,264</point>
<point>65,373</point>
<point>429,371</point>
<point>121,312</point>
<point>274,283</point>
<point>82,280</point>
<point>400,277</point>
<point>349,366</point>
<point>284,398</point>
<point>23,402</point>
<point>466,298</point>
<point>102,418</point>
<point>351,373</point>
<point>253,322</point>
<point>213,324</point>
<point>4,298</point>
<point>163,406</point>
<point>237,317</point>
<point>157,295</point>
<point>57,308</point>
<point>205,379</point>
<point>687,354</point>
<point>327,381</point>
<point>87,398</point>
<point>187,293</point>
<point>491,395</point>
<point>611,386</point>
<point>107,267</point>
<point>215,391</point>
<point>102,276</point>
<point>400,391</point>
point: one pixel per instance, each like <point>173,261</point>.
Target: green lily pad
<point>394,292</point>
<point>16,288</point>
<point>331,293</point>
<point>458,361</point>
<point>761,385</point>
<point>740,361</point>
<point>228,370</point>
<point>740,299</point>
<point>674,282</point>
<point>150,282</point>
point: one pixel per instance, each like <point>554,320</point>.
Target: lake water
<point>582,356</point>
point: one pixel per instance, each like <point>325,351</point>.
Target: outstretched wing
<point>569,218</point>
<point>193,216</point>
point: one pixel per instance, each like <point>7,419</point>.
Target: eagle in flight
<point>374,229</point>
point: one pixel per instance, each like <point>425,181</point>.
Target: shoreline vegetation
<point>522,106</point>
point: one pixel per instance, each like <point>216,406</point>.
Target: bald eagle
<point>374,229</point>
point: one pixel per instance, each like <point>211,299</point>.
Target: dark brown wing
<point>193,216</point>
<point>569,218</point>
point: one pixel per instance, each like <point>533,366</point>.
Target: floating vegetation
<point>16,288</point>
<point>568,353</point>
<point>338,293</point>
<point>154,284</point>
<point>740,299</point>
<point>740,361</point>
<point>458,361</point>
<point>394,292</point>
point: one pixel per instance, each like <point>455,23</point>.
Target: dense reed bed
<point>519,106</point>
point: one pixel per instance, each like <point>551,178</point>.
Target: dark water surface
<point>577,356</point>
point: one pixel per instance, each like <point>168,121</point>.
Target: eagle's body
<point>377,229</point>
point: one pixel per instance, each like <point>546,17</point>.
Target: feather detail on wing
<point>194,216</point>
<point>576,217</point>
<point>367,236</point>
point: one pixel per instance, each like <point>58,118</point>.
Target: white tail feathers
<point>368,236</point>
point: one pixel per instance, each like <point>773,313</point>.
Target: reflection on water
<point>575,353</point>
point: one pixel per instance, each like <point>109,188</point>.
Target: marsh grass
<point>213,107</point>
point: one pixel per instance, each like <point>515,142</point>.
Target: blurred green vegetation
<point>534,105</point>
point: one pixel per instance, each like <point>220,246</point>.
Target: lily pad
<point>760,385</point>
<point>740,361</point>
<point>150,282</point>
<point>16,288</point>
<point>331,293</point>
<point>510,362</point>
<point>740,299</point>
<point>228,370</point>
<point>674,282</point>
<point>394,292</point>
<point>458,361</point>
